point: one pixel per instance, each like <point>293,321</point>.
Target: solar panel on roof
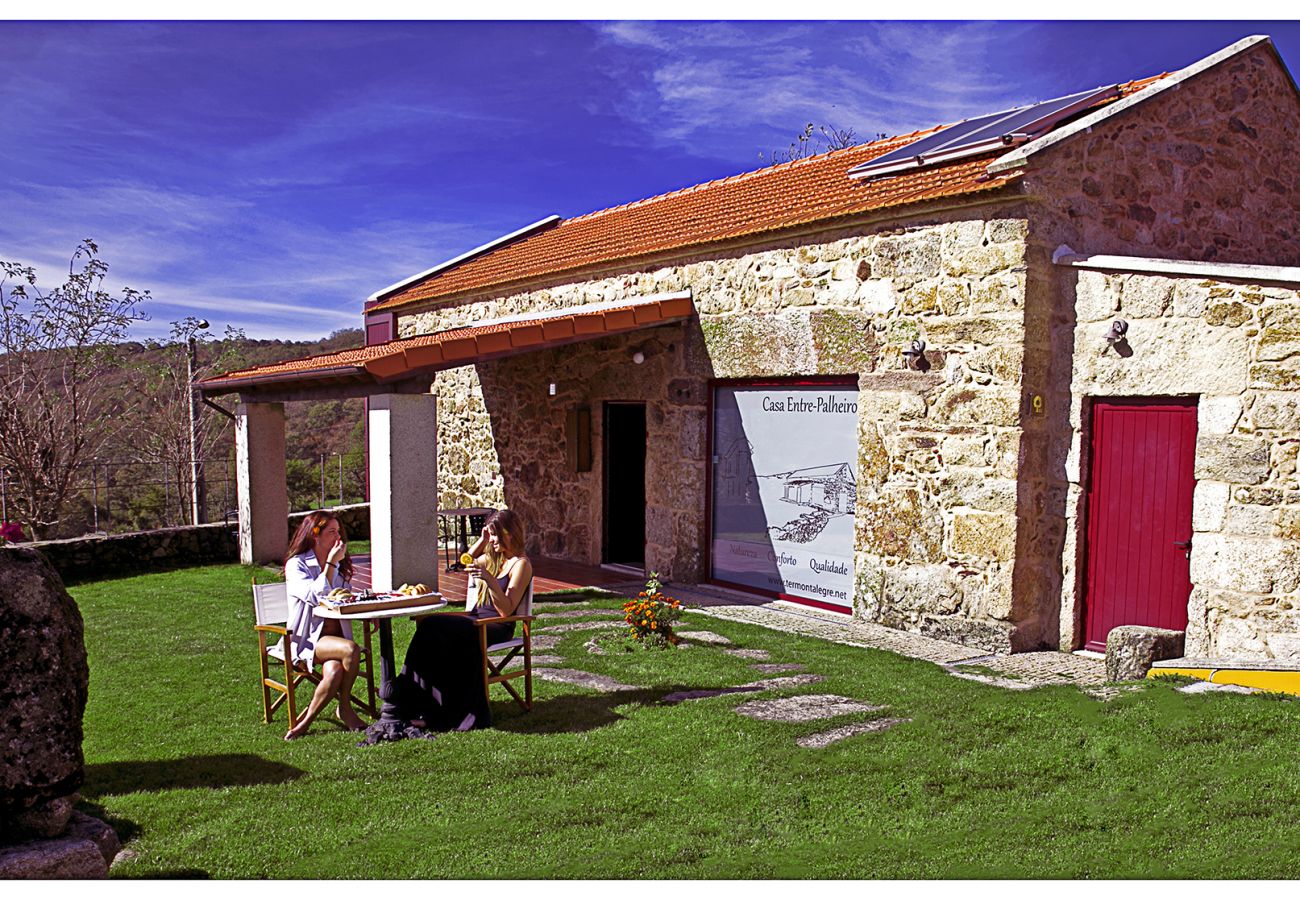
<point>983,133</point>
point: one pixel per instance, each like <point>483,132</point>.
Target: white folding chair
<point>271,612</point>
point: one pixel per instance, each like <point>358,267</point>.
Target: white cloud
<point>713,81</point>
<point>221,258</point>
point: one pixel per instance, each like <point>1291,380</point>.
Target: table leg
<point>390,727</point>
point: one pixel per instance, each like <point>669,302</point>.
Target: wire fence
<point>122,495</point>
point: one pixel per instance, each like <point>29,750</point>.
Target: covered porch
<point>396,377</point>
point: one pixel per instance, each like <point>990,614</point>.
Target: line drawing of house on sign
<point>826,491</point>
<point>831,488</point>
<point>736,480</point>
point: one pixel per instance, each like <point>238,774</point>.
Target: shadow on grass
<point>221,771</point>
<point>576,713</point>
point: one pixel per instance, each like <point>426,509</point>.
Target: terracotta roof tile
<point>772,199</point>
<point>461,346</point>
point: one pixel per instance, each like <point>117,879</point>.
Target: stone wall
<point>937,513</point>
<point>98,556</point>
<point>1236,347</point>
<point>1205,171</point>
<point>1191,173</point>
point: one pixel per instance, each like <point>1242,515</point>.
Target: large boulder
<point>43,696</point>
<point>1131,649</point>
<point>85,850</point>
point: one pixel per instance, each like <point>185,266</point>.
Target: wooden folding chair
<point>494,670</point>
<point>271,611</point>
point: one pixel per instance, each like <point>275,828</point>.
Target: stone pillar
<point>403,436</point>
<point>263,491</point>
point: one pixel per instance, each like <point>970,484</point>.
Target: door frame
<point>1088,529</point>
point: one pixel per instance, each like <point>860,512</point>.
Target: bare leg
<point>348,655</point>
<point>331,678</point>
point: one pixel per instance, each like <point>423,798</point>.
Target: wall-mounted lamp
<point>914,356</point>
<point>646,349</point>
<point>550,389</point>
<point>1115,337</point>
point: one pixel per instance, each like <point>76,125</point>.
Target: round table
<point>389,727</point>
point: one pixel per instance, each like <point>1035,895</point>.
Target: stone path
<point>1014,672</point>
<point>804,708</point>
<point>826,738</point>
<point>1018,671</point>
<point>767,684</point>
<point>602,683</point>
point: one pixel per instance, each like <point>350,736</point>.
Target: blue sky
<point>272,175</point>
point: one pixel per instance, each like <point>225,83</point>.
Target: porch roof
<point>408,365</point>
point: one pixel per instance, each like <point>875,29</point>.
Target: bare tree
<point>55,412</point>
<point>163,440</point>
<point>812,140</point>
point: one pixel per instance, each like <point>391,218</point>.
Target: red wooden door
<point>1139,515</point>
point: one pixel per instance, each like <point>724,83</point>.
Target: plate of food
<point>345,601</point>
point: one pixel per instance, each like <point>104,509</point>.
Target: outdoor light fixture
<point>1118,329</point>
<point>550,389</point>
<point>914,356</point>
<point>638,356</point>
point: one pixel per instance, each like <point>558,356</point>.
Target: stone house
<point>940,341</point>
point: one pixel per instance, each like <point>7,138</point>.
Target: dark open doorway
<point>624,512</point>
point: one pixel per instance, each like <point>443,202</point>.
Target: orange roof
<point>784,196</point>
<point>427,353</point>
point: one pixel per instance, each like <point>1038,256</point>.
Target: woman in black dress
<point>440,686</point>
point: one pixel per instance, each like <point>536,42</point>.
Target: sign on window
<point>784,490</point>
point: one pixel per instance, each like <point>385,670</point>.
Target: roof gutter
<point>1019,158</point>
<point>464,257</point>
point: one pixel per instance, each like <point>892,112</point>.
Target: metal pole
<point>340,456</point>
<point>94,489</point>
<point>322,481</point>
<point>198,493</point>
<point>4,494</point>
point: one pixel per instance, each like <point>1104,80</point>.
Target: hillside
<point>140,479</point>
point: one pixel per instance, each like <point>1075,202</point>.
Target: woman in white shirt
<point>316,563</point>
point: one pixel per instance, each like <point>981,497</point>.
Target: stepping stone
<point>772,667</point>
<point>704,637</point>
<point>826,738</point>
<point>747,653</point>
<point>785,681</point>
<point>584,679</point>
<point>1206,687</point>
<point>545,641</point>
<point>767,684</point>
<point>804,708</point>
<point>579,613</point>
<point>547,659</point>
<point>578,626</point>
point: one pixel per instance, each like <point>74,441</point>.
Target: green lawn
<point>982,782</point>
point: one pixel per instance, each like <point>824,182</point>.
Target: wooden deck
<point>548,575</point>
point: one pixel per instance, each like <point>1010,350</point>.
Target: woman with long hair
<point>440,686</point>
<point>316,563</point>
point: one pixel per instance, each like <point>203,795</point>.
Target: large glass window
<point>784,487</point>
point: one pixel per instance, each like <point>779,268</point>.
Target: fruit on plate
<point>339,594</point>
<point>412,590</point>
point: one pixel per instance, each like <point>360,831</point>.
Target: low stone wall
<point>96,556</point>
